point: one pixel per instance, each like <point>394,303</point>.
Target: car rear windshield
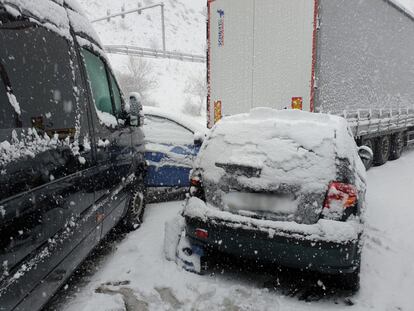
<point>289,148</point>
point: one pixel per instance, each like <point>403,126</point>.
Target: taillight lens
<point>195,182</point>
<point>196,187</point>
<point>201,233</point>
<point>340,201</point>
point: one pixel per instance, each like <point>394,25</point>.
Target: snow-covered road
<point>137,277</point>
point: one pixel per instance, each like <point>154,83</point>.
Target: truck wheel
<point>136,206</point>
<point>368,142</point>
<point>382,150</point>
<point>397,145</point>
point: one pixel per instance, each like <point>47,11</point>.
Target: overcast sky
<point>409,4</point>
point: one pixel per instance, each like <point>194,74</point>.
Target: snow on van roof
<point>292,147</point>
<point>56,15</point>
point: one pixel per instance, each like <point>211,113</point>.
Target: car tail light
<point>340,201</point>
<point>201,233</point>
<point>196,187</point>
<point>195,182</point>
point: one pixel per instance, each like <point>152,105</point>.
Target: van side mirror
<point>198,139</point>
<point>367,156</point>
<point>136,114</point>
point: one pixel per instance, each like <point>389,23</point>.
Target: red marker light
<point>201,233</point>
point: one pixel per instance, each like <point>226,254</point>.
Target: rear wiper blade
<point>240,169</point>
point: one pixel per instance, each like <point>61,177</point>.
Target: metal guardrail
<point>373,121</point>
<point>153,53</point>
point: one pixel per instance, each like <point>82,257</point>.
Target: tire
<point>382,150</point>
<point>369,143</point>
<point>135,212</point>
<point>397,146</point>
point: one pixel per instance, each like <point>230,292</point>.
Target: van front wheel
<point>136,207</point>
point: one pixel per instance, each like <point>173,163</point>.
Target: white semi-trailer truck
<point>347,57</point>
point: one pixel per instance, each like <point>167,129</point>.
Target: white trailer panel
<point>261,53</point>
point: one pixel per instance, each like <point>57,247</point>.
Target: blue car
<point>172,143</point>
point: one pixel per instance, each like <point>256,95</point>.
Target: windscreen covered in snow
<point>278,147</point>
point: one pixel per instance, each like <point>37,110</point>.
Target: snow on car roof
<point>191,123</point>
<point>292,147</point>
<point>56,15</point>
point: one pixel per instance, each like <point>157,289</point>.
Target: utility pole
<point>163,27</point>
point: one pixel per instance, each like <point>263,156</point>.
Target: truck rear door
<point>260,54</point>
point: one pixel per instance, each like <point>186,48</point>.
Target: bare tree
<point>138,79</point>
<point>196,90</point>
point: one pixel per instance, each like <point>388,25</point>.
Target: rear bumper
<point>311,253</point>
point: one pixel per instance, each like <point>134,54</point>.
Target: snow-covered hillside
<point>185,32</point>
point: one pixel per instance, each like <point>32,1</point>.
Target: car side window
<point>38,66</point>
<point>99,83</point>
<point>165,131</point>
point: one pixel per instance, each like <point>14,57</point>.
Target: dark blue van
<point>71,150</point>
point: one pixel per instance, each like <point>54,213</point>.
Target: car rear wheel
<point>382,150</point>
<point>397,145</point>
<point>136,207</point>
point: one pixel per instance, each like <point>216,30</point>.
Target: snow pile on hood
<point>287,147</point>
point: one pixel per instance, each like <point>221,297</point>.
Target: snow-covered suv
<point>284,187</point>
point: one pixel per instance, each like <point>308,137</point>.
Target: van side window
<point>6,110</point>
<point>98,79</point>
<point>117,96</point>
<point>38,66</point>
